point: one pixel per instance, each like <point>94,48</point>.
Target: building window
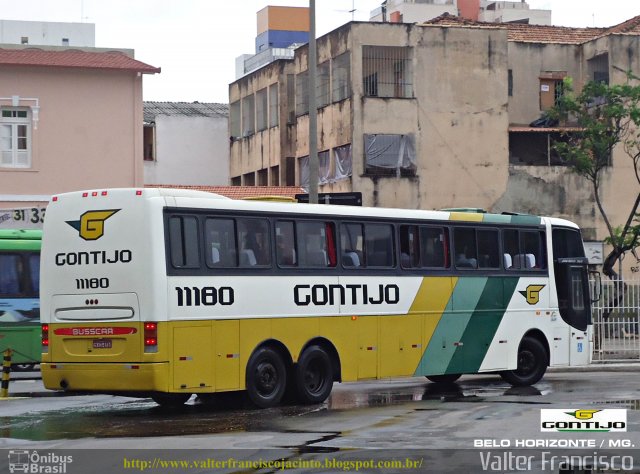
<point>551,89</point>
<point>65,41</point>
<point>262,110</point>
<point>303,167</point>
<point>273,105</point>
<point>389,155</point>
<point>302,93</point>
<point>510,82</point>
<point>598,68</point>
<point>248,116</point>
<point>263,177</point>
<point>148,139</point>
<point>15,138</point>
<point>274,176</point>
<point>323,92</point>
<point>235,128</point>
<point>291,98</point>
<point>324,167</point>
<point>535,148</point>
<point>24,40</point>
<point>341,80</point>
<point>344,162</point>
<point>249,179</point>
<point>387,71</point>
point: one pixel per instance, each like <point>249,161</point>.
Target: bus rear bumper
<point>111,377</point>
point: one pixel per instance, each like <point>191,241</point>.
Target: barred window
<point>322,86</point>
<point>248,116</point>
<point>261,110</point>
<point>341,86</point>
<point>387,71</point>
<point>273,105</point>
<point>302,93</point>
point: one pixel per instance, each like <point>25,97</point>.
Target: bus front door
<point>572,282</point>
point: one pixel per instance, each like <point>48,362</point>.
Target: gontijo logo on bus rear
<point>95,331</point>
<point>91,223</point>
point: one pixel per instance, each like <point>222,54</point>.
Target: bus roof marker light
<point>138,192</point>
<point>84,195</point>
<point>94,194</point>
<point>54,198</point>
<point>103,193</point>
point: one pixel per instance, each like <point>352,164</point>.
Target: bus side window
<point>220,243</point>
<point>253,242</point>
<point>10,275</point>
<point>511,248</point>
<point>434,247</point>
<point>488,248</point>
<point>34,273</point>
<point>464,241</point>
<point>351,245</point>
<point>315,244</point>
<point>183,234</point>
<point>409,246</point>
<point>379,245</point>
<point>285,244</point>
<point>533,250</point>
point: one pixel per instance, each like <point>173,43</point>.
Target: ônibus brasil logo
<point>91,223</point>
<point>605,420</point>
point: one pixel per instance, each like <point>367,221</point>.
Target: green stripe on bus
<point>452,325</point>
<point>483,325</point>
<point>496,218</point>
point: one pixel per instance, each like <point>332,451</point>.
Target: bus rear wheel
<point>170,400</point>
<point>313,375</point>
<point>266,378</point>
<point>444,378</point>
<point>532,364</point>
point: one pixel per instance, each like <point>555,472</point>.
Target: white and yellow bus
<point>168,293</point>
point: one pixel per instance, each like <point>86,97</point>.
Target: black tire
<point>444,378</point>
<point>266,378</point>
<point>170,400</point>
<point>532,364</point>
<point>313,376</point>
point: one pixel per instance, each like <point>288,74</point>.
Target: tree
<point>606,117</point>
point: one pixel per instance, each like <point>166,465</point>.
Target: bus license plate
<point>102,343</point>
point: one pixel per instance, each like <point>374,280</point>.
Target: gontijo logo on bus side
<point>91,223</point>
<point>532,293</point>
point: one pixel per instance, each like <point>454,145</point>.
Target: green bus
<point>19,296</point>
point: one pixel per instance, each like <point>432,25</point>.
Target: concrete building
<point>434,115</point>
<point>70,119</point>
<point>279,31</point>
<point>186,143</point>
<point>418,11</point>
<point>46,33</point>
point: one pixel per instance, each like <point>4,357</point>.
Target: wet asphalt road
<point>399,413</point>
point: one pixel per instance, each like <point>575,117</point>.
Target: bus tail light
<point>151,337</point>
<point>45,338</point>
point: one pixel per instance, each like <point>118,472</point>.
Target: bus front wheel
<point>313,375</point>
<point>532,364</point>
<point>266,378</point>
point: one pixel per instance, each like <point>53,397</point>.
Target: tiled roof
<point>526,33</point>
<point>238,192</point>
<point>189,109</point>
<point>73,58</point>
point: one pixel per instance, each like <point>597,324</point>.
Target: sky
<point>195,42</point>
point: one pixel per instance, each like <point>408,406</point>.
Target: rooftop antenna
<point>352,11</point>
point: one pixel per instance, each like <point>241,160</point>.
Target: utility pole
<point>313,108</point>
